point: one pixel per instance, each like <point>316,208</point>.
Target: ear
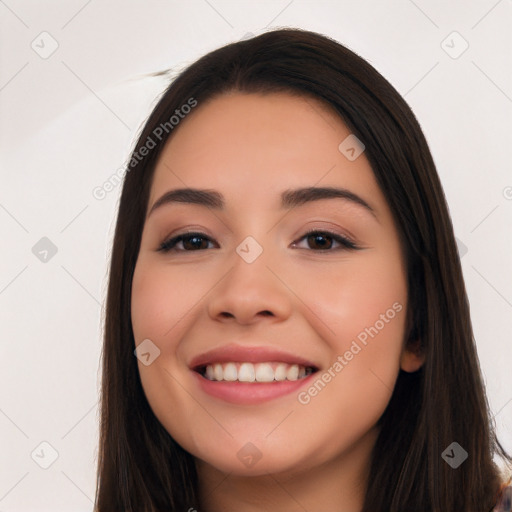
<point>412,358</point>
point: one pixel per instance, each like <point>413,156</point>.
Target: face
<point>287,283</point>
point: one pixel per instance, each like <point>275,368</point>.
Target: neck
<point>338,484</point>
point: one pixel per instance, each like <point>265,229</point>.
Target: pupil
<point>193,241</point>
<point>320,237</point>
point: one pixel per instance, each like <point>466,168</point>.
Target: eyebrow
<point>289,198</point>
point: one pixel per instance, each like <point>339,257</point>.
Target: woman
<point>287,326</point>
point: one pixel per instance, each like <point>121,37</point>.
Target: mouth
<point>262,372</point>
<point>245,383</point>
<point>243,375</point>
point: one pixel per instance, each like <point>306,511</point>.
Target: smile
<point>255,372</point>
<point>244,383</point>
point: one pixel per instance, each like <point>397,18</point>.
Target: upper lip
<point>240,354</point>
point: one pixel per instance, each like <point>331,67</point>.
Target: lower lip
<point>249,393</point>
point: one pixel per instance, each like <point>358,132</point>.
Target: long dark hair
<point>140,466</point>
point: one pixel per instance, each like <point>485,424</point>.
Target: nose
<point>250,292</point>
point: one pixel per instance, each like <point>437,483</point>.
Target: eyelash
<point>347,244</point>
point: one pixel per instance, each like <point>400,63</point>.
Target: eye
<point>189,241</point>
<point>316,240</point>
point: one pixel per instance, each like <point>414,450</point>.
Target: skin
<point>250,148</point>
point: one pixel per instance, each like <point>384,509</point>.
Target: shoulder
<point>504,503</point>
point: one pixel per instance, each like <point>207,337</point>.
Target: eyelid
<point>329,227</point>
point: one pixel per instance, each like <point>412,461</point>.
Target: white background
<point>68,122</point>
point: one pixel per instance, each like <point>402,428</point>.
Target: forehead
<point>253,146</point>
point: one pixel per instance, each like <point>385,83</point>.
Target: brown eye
<point>319,241</point>
<point>324,240</point>
<point>190,242</point>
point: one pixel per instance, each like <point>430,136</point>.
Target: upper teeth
<point>259,372</point>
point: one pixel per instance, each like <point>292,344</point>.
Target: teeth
<point>293,372</point>
<point>259,372</point>
<point>218,372</point>
<point>245,373</point>
<point>230,372</point>
<point>264,373</point>
<point>280,372</point>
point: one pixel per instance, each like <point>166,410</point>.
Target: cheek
<point>359,307</point>
<point>361,311</point>
<point>350,296</point>
<point>161,300</point>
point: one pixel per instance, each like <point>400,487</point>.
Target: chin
<point>262,467</point>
